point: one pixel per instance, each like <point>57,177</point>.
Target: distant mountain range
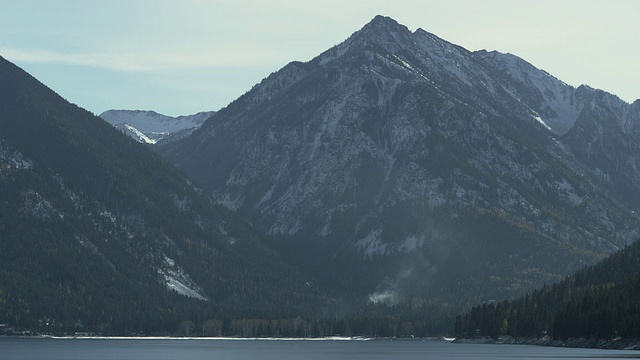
<point>150,127</point>
<point>416,171</point>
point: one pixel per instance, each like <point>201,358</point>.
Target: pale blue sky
<point>181,57</point>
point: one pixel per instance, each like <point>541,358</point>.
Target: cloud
<point>148,61</point>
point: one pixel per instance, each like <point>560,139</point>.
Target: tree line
<point>599,302</point>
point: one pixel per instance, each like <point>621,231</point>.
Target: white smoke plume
<point>411,280</point>
<point>386,297</point>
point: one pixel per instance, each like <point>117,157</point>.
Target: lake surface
<point>143,349</point>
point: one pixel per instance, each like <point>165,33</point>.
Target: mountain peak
<point>385,25</point>
<point>383,21</point>
<point>385,31</point>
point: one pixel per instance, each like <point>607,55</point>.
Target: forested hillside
<point>601,302</point>
<point>99,234</point>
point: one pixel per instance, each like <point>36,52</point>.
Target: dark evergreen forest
<point>601,302</point>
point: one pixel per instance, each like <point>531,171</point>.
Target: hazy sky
<point>184,56</point>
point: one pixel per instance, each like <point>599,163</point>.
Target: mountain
<point>99,234</point>
<point>150,127</point>
<point>410,170</point>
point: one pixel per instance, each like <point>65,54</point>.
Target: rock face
<point>149,127</point>
<point>439,170</point>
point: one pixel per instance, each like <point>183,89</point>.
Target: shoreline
<point>579,343</point>
<point>204,338</point>
<point>222,338</point>
<point>604,344</point>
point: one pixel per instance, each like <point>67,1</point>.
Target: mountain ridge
<point>150,127</point>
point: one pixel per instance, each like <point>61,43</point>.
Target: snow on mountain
<point>179,281</point>
<point>558,108</point>
<point>150,127</point>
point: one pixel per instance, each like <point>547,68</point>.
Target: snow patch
<point>177,280</point>
<point>560,107</point>
<point>539,119</point>
<point>403,62</point>
<point>413,70</point>
<point>372,244</point>
<point>140,135</point>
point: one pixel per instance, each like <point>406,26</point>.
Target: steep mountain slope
<point>598,128</point>
<point>99,234</point>
<point>606,138</point>
<point>150,127</point>
<point>414,170</point>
